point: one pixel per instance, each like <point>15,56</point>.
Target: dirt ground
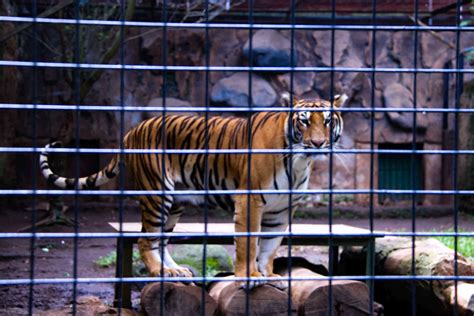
<point>54,258</point>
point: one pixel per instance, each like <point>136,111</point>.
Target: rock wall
<point>393,50</point>
<point>227,47</point>
<point>10,78</point>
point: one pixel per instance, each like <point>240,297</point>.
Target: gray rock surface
<point>270,49</point>
<point>398,96</point>
<point>169,103</point>
<point>234,91</point>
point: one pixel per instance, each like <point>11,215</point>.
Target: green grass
<point>110,259</point>
<point>212,265</point>
<point>465,244</point>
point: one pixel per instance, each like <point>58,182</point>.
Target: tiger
<point>314,124</point>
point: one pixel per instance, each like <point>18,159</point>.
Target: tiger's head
<point>317,126</point>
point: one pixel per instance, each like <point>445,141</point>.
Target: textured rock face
<point>234,91</point>
<point>10,79</point>
<point>229,48</point>
<point>270,49</point>
<point>398,96</point>
<point>170,103</point>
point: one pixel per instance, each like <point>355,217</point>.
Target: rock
<point>270,49</point>
<point>353,54</point>
<point>233,91</point>
<point>88,300</point>
<point>398,96</point>
<point>432,169</point>
<point>322,84</point>
<point>361,95</point>
<point>169,103</point>
<point>384,58</point>
<point>226,50</point>
<point>88,305</point>
<point>323,46</point>
<point>403,51</point>
<point>302,82</point>
<point>185,47</point>
<point>434,52</point>
<point>217,258</point>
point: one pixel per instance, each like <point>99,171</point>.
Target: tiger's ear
<point>285,99</point>
<point>340,100</point>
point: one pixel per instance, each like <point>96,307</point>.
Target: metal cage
<point>393,171</point>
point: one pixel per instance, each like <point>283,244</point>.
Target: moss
<point>217,258</point>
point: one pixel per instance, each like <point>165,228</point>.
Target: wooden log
<point>347,297</point>
<point>394,257</point>
<point>179,299</point>
<point>263,300</point>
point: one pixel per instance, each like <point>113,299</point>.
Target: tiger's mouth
<point>315,152</point>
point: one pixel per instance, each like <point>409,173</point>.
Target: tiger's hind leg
<point>173,218</point>
<point>158,216</point>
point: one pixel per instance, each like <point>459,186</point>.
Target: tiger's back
<point>204,171</point>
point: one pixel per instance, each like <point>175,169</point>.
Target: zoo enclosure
<point>386,128</point>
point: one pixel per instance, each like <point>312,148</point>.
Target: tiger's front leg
<point>247,212</point>
<point>149,247</point>
<point>272,222</point>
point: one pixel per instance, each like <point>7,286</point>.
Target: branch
<point>97,73</point>
<point>436,35</point>
<point>61,5</point>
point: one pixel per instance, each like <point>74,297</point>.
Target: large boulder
<point>169,104</point>
<point>270,49</point>
<point>398,96</point>
<point>234,91</point>
<point>302,82</point>
<point>322,48</point>
<point>217,258</point>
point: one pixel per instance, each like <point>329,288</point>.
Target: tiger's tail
<point>95,180</point>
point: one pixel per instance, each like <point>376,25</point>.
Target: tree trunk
<point>312,297</point>
<point>178,299</point>
<point>433,297</point>
<point>262,300</point>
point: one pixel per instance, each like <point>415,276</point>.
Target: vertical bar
<point>34,95</point>
<point>124,259</point>
<point>457,96</point>
<point>77,117</point>
<point>164,60</point>
<point>206,155</point>
<point>412,161</point>
<point>123,268</point>
<point>370,248</point>
<point>290,167</point>
<point>330,194</point>
<point>249,155</point>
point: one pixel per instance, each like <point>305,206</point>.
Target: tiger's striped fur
<point>223,171</point>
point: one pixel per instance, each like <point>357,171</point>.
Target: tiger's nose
<point>318,143</point>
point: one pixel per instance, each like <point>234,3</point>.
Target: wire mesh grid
<point>162,20</point>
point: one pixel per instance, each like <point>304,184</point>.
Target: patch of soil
<point>55,258</point>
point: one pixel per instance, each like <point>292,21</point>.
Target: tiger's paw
<point>172,272</point>
<point>279,284</point>
<point>251,283</point>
